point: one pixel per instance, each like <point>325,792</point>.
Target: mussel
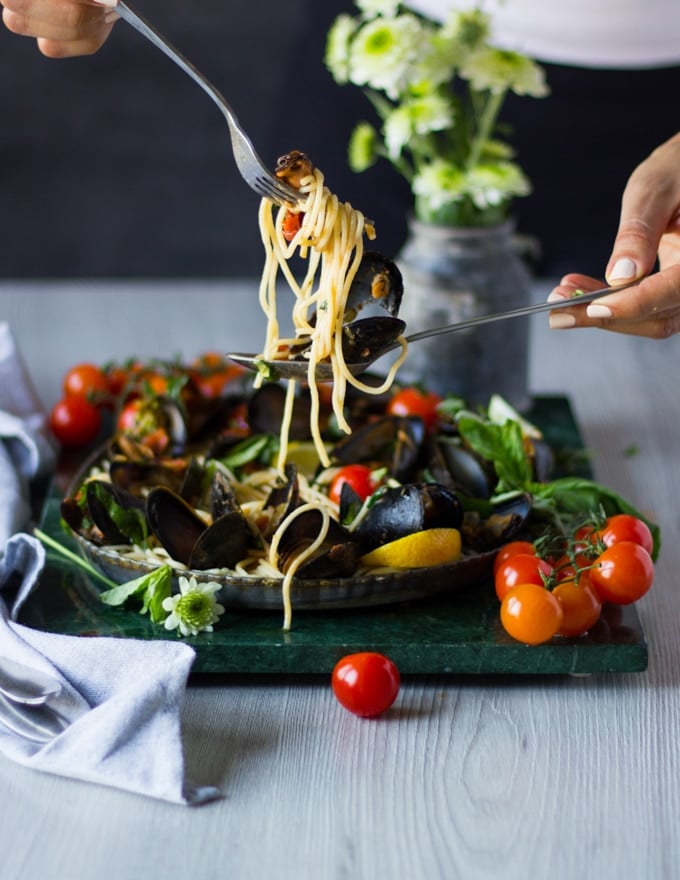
<point>395,442</point>
<point>402,510</point>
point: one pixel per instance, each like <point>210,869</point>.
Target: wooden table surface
<point>560,777</point>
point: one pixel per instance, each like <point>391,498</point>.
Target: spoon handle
<point>578,300</point>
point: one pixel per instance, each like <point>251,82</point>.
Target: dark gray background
<point>118,165</point>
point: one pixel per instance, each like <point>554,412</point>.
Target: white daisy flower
<point>194,609</point>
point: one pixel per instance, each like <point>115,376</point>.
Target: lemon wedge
<point>419,550</point>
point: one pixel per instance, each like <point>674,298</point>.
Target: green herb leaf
<point>150,588</point>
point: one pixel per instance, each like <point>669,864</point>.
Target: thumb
<point>650,202</point>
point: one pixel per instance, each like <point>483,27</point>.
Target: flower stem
<point>486,124</point>
<point>72,557</point>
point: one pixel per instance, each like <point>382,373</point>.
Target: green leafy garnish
<point>150,588</point>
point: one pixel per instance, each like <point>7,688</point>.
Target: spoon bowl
<point>297,367</point>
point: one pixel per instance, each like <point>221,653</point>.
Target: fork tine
<point>274,189</point>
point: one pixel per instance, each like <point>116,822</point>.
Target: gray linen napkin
<point>122,696</point>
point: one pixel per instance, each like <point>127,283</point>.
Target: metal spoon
<point>37,723</point>
<point>298,369</point>
<point>25,685</point>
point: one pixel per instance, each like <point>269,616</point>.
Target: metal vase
<point>452,274</point>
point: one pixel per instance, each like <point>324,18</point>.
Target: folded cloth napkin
<point>122,696</point>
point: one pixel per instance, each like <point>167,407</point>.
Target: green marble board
<point>458,634</point>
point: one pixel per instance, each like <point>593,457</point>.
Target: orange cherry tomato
<point>581,606</point>
<point>531,614</point>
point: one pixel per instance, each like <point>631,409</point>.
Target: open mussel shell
<point>393,441</point>
<point>365,338</point>
<point>378,282</point>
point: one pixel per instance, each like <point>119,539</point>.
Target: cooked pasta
<point>330,237</point>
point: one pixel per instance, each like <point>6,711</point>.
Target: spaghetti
<point>329,235</point>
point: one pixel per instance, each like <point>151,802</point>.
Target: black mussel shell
<point>505,522</point>
<point>222,544</point>
<point>337,556</point>
<point>378,281</point>
<point>393,441</point>
<point>363,339</point>
<point>109,531</point>
<point>174,523</point>
<point>402,510</point>
<point>266,408</point>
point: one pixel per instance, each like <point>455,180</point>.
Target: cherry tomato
<point>366,683</point>
<point>624,527</point>
<point>359,477</point>
<point>290,225</point>
<point>413,402</point>
<point>117,378</point>
<point>86,380</point>
<point>531,614</point>
<point>623,573</point>
<point>581,606</point>
<point>513,548</point>
<point>211,383</point>
<point>75,422</point>
<point>521,569</point>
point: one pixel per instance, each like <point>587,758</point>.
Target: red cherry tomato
<point>513,548</point>
<point>531,614</point>
<point>290,225</point>
<point>413,402</point>
<point>521,569</point>
<point>86,380</point>
<point>366,683</point>
<point>75,422</point>
<point>624,527</point>
<point>581,606</point>
<point>623,573</point>
<point>359,477</point>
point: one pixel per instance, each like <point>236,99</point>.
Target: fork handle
<point>578,300</point>
<point>139,23</point>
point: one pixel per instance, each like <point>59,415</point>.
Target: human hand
<point>649,228</point>
<point>63,28</point>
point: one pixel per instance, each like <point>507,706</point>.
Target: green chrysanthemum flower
<point>497,70</point>
<point>194,609</point>
<point>361,150</point>
<point>372,8</point>
<point>338,47</point>
<point>419,116</point>
<point>384,52</point>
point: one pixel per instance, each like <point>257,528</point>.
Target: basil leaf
<point>501,444</point>
<point>151,588</point>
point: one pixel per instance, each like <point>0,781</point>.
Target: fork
<point>249,164</point>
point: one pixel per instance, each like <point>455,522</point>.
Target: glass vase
<point>452,274</point>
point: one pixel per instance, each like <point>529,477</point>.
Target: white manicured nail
<point>597,310</point>
<point>554,296</point>
<point>561,320</point>
<point>623,270</point>
<point>110,3</point>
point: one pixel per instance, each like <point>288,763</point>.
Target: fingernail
<point>623,269</point>
<point>554,296</point>
<point>110,3</point>
<point>560,321</point>
<point>597,310</point>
